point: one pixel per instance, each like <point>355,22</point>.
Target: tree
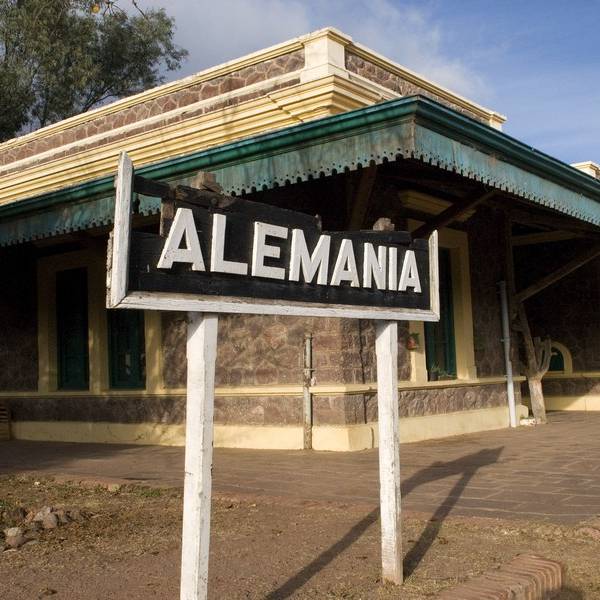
<point>59,58</point>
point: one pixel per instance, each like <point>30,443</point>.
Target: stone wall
<point>348,409</point>
<point>94,409</point>
<point>370,70</point>
<point>18,321</point>
<point>268,350</point>
<point>572,387</point>
<point>435,401</point>
<point>161,105</point>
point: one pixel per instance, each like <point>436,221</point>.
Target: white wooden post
<point>121,231</point>
<point>389,450</point>
<point>201,357</point>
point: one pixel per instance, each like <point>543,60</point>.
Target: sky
<point>537,62</point>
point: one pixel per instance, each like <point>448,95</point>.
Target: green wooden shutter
<point>72,329</point>
<point>440,344</point>
<point>126,342</point>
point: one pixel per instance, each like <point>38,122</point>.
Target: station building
<point>322,125</point>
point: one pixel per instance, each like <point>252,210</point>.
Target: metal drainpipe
<point>307,408</point>
<point>510,386</point>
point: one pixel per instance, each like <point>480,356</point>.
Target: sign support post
<point>201,358</point>
<point>386,347</point>
<point>243,257</point>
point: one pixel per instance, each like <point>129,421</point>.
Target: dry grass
<point>129,548</point>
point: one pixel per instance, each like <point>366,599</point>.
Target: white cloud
<point>412,37</point>
<point>218,31</point>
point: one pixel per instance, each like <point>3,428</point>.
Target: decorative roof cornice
<point>508,164</point>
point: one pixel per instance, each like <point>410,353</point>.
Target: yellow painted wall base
<point>429,427</point>
<point>331,438</point>
<point>591,402</point>
<point>100,433</point>
<point>343,438</point>
<point>258,437</point>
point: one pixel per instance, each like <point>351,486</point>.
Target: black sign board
<point>234,255</point>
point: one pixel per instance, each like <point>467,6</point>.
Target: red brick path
<point>550,472</point>
<point>526,577</point>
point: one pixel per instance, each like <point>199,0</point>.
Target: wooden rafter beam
<point>360,200</point>
<point>562,223</point>
<point>149,187</point>
<point>543,237</point>
<point>449,215</point>
<point>563,271</point>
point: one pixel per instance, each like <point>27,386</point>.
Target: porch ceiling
<point>412,127</point>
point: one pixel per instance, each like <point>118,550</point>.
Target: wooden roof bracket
<point>563,271</point>
<point>450,214</point>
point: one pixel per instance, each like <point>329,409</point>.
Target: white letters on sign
<point>380,266</point>
<point>311,264</point>
<point>183,226</point>
<point>410,274</point>
<point>217,249</point>
<point>374,266</point>
<point>345,266</point>
<point>260,250</point>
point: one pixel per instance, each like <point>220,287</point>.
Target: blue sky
<point>536,62</point>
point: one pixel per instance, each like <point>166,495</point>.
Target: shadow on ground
<point>162,464</point>
<point>465,466</point>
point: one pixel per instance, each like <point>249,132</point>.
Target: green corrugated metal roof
<point>412,127</point>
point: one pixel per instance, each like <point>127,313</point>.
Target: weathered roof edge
<point>425,111</point>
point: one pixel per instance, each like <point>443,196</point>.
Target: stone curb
<point>526,577</point>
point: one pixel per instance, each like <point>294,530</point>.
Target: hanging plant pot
<point>412,342</point>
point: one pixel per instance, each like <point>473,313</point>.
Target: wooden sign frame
<point>120,296</point>
<point>201,361</point>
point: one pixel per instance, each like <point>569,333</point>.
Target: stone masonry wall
<point>572,387</point>
<point>138,113</point>
<point>268,350</point>
<point>435,401</point>
<point>18,321</point>
<point>169,409</point>
<point>369,70</point>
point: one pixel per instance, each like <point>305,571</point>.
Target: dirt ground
<point>127,545</point>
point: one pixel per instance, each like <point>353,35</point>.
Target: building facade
<point>322,125</point>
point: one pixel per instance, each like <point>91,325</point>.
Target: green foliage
<point>62,57</point>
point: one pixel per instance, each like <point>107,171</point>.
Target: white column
<point>389,451</point>
<point>201,357</point>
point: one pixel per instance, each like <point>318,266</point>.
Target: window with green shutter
<point>440,345</point>
<point>72,329</point>
<point>557,360</point>
<point>126,344</point>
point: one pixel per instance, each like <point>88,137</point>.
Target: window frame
<point>458,244</point>
<point>64,380</point>
<point>446,321</point>
<point>138,382</point>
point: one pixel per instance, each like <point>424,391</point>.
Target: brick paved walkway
<point>550,472</point>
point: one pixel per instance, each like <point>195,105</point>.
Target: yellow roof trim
<point>589,167</point>
<point>285,107</point>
